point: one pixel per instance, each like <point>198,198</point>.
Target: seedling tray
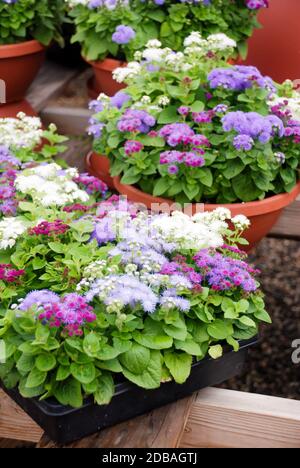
<point>64,424</point>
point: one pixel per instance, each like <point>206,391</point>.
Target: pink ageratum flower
<point>56,228</point>
<point>133,146</point>
<point>9,274</point>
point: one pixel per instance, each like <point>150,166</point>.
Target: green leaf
<point>179,365</point>
<point>30,392</point>
<point>153,342</point>
<point>168,115</point>
<point>215,351</point>
<point>189,346</point>
<point>177,330</point>
<point>35,378</point>
<point>45,362</point>
<point>263,316</point>
<point>84,373</point>
<point>220,330</point>
<point>63,372</point>
<point>160,187</point>
<point>136,359</point>
<point>105,390</point>
<point>68,392</point>
<point>151,377</point>
<point>247,321</point>
<point>91,344</point>
<point>25,363</point>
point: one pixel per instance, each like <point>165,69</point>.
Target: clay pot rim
<point>20,49</point>
<point>256,208</point>
<point>108,64</point>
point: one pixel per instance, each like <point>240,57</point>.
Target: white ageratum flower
<point>48,185</point>
<point>219,42</point>
<point>21,132</point>
<point>189,233</point>
<point>10,230</point>
<point>120,74</point>
<point>241,222</point>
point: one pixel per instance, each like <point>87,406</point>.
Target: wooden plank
<point>289,224</point>
<point>69,120</point>
<point>224,418</point>
<point>49,83</point>
<point>162,428</point>
<point>15,424</point>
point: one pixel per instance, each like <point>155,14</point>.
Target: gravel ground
<point>270,369</point>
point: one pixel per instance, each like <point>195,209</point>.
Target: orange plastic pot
<point>19,65</point>
<point>11,110</point>
<point>99,166</point>
<point>103,81</point>
<point>262,214</point>
<point>275,49</point>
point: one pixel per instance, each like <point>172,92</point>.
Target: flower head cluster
<point>251,126</point>
<point>22,131</point>
<point>136,121</point>
<point>49,185</point>
<point>223,273</point>
<point>45,228</point>
<point>10,230</point>
<point>9,274</point>
<point>239,78</point>
<point>91,185</point>
<point>69,313</point>
<point>8,201</point>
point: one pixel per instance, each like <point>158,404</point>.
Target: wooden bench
<point>212,418</point>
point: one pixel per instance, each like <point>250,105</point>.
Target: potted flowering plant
<point>26,27</point>
<point>110,32</point>
<point>206,132</point>
<point>175,20</point>
<point>122,305</point>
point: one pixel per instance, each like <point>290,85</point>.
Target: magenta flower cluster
<point>223,273</point>
<point>136,121</point>
<point>69,313</point>
<point>10,274</point>
<point>45,228</point>
<point>192,152</point>
<point>92,185</point>
<point>218,270</point>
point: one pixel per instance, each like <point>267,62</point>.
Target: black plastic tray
<point>64,424</point>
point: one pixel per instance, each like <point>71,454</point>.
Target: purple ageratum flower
<point>104,231</point>
<point>127,290</point>
<point>224,273</point>
<point>123,35</point>
<point>177,133</point>
<point>39,299</point>
<point>254,125</point>
<point>119,99</point>
<point>132,146</point>
<point>243,142</point>
<point>239,78</point>
<point>7,159</point>
<point>136,121</point>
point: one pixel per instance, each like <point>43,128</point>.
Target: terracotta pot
<point>11,110</point>
<point>103,81</point>
<point>19,65</point>
<point>262,214</point>
<point>99,166</point>
<point>275,49</point>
